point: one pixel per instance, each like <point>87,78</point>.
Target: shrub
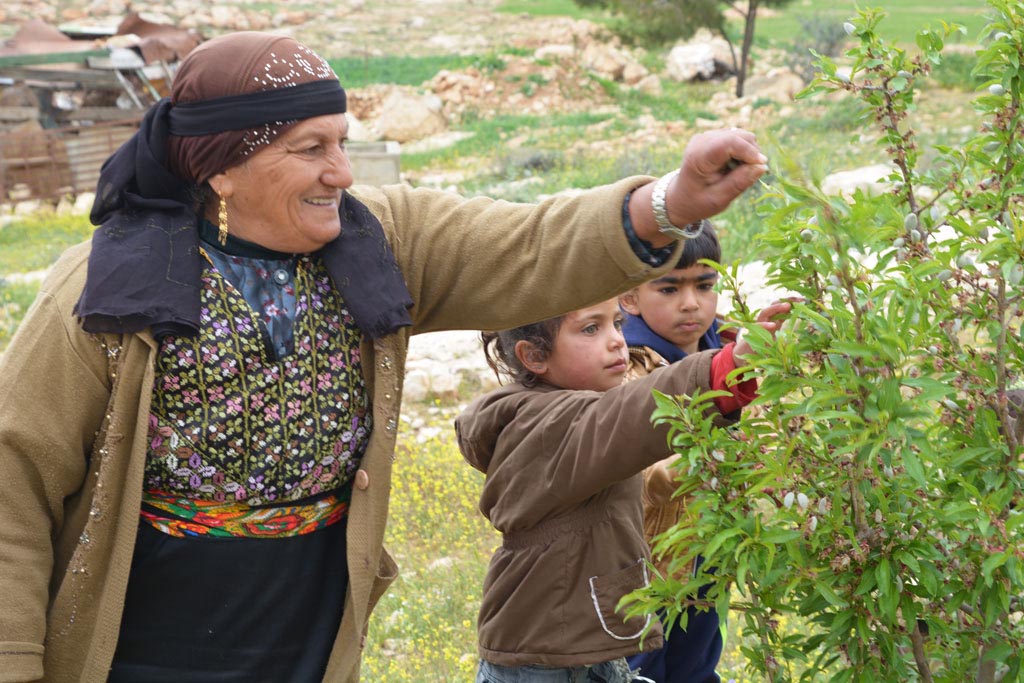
<point>955,71</point>
<point>819,34</point>
<point>875,493</point>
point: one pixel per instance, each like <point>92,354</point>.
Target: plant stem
<point>917,638</point>
<point>986,667</point>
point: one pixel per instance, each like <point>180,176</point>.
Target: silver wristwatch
<point>691,231</point>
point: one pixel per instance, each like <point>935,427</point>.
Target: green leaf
<point>826,591</point>
<point>779,536</point>
<point>914,467</point>
<point>992,563</point>
<point>884,574</point>
<point>721,538</point>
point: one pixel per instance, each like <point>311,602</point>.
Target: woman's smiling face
<point>286,196</point>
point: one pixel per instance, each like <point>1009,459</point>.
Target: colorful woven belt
<point>183,517</point>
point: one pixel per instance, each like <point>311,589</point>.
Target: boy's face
<point>679,306</point>
<point>589,351</point>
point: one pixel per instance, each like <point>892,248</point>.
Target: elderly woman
<point>199,413</point>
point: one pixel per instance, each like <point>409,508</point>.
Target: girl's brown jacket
<point>563,487</point>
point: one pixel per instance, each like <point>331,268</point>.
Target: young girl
<point>562,448</point>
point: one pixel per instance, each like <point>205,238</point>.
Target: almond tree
<point>868,512</point>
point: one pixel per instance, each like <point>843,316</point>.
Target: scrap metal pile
<point>70,95</point>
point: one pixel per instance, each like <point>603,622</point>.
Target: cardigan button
<point>362,480</point>
<point>282,277</point>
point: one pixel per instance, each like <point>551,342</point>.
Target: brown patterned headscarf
<point>232,96</point>
<point>218,75</point>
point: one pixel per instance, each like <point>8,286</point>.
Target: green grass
<point>548,8</point>
<point>424,629</point>
<point>273,7</point>
<point>904,19</point>
<point>955,72</point>
<point>15,298</point>
<point>35,241</point>
<point>677,102</point>
<point>490,136</point>
<point>358,72</point>
<point>31,243</point>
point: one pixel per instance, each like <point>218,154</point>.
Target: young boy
<point>666,320</point>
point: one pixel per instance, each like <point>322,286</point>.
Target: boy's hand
<point>771,319</point>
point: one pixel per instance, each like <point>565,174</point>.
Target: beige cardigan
<point>74,407</point>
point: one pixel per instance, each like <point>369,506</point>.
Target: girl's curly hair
<point>500,348</point>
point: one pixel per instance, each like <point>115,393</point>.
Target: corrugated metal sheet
<point>53,163</point>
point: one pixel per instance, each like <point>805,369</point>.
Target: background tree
<point>665,21</point>
<point>869,511</point>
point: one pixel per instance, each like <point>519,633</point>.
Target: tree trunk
<point>748,40</point>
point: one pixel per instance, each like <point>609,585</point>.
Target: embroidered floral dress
<point>257,426</point>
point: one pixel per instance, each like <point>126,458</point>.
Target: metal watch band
<point>665,226</point>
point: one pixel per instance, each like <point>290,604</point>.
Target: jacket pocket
<point>387,571</point>
<point>607,590</point>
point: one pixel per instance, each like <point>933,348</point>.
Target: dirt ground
<point>352,27</point>
<point>418,27</point>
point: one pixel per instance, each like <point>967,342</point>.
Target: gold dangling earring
<point>222,222</point>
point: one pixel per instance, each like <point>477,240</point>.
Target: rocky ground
<point>354,27</point>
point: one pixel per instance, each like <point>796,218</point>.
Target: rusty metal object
<point>73,98</point>
<point>51,163</point>
<point>48,152</point>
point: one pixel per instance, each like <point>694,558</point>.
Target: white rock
<point>554,52</point>
<point>633,73</point>
<point>84,202</point>
<point>780,85</point>
<point>605,60</point>
<point>650,85</point>
<point>358,131</point>
<point>405,117</point>
<point>416,387</point>
<point>704,56</point>
<point>869,179</point>
<point>751,280</point>
<point>27,207</point>
<point>690,62</point>
<point>443,382</point>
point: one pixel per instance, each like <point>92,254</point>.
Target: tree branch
<point>917,638</point>
<point>986,667</point>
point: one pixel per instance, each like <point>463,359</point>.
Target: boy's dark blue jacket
<point>689,656</point>
<point>637,333</point>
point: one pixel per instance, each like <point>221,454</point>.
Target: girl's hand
<point>770,318</point>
